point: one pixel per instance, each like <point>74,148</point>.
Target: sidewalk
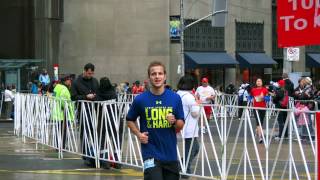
<point>22,161</point>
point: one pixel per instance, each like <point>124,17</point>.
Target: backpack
<point>230,89</point>
<point>285,100</point>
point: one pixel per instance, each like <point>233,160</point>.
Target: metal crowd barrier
<point>220,99</point>
<point>1,102</point>
<point>227,99</point>
<point>229,149</point>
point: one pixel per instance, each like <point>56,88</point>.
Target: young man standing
<point>85,87</point>
<point>161,114</point>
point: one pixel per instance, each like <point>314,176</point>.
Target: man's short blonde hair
<point>156,63</point>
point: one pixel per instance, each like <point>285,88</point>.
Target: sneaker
<point>184,177</point>
<point>105,165</point>
<point>260,140</point>
<point>117,166</point>
<point>276,138</point>
<point>89,163</point>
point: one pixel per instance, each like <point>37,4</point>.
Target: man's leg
<point>8,109</point>
<point>281,123</point>
<point>154,173</point>
<point>187,149</point>
<point>195,150</point>
<point>170,171</point>
<point>240,109</point>
<point>208,112</point>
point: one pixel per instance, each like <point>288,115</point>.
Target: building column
<point>287,65</point>
<point>230,76</point>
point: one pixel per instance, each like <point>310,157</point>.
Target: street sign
<point>293,54</point>
<point>298,22</point>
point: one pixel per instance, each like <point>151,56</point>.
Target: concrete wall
<point>175,48</point>
<point>47,34</point>
<point>248,11</point>
<point>120,37</point>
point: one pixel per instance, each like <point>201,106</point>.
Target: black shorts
<point>261,114</point>
<point>163,170</point>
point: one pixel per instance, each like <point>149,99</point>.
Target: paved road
<point>22,161</point>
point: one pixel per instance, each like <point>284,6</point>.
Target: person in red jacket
<point>258,93</point>
<point>137,88</point>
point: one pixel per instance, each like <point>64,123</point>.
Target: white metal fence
<point>229,150</point>
<point>1,102</point>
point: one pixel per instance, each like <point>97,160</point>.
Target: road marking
<point>93,172</point>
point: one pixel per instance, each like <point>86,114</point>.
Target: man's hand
<point>210,98</point>
<point>91,96</point>
<point>143,137</point>
<point>171,118</point>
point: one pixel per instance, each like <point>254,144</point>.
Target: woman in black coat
<point>107,92</point>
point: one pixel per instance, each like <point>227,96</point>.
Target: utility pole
<point>182,37</point>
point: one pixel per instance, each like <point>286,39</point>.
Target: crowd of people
<point>305,98</point>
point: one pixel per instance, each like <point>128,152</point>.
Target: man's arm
<point>74,93</point>
<point>133,127</point>
<point>179,124</point>
<point>143,137</point>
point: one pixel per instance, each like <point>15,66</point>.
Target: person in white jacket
<point>8,102</point>
<point>191,111</point>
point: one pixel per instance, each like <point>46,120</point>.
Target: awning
<point>17,63</point>
<point>255,60</point>
<point>313,60</point>
<point>208,60</point>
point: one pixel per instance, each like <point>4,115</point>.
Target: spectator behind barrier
<point>85,87</point>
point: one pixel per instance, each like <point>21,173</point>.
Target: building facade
<point>121,37</point>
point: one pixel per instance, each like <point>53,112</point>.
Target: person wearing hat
<point>206,94</point>
<point>281,101</point>
<point>61,103</point>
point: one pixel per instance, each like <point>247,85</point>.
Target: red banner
<point>318,139</point>
<point>298,22</point>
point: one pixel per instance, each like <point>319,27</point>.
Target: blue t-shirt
<point>152,110</point>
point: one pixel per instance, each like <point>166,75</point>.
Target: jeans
<point>281,121</point>
<point>8,105</point>
<point>241,103</point>
<point>194,151</point>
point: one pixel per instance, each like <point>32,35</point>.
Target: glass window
<point>249,37</point>
<point>210,38</point>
